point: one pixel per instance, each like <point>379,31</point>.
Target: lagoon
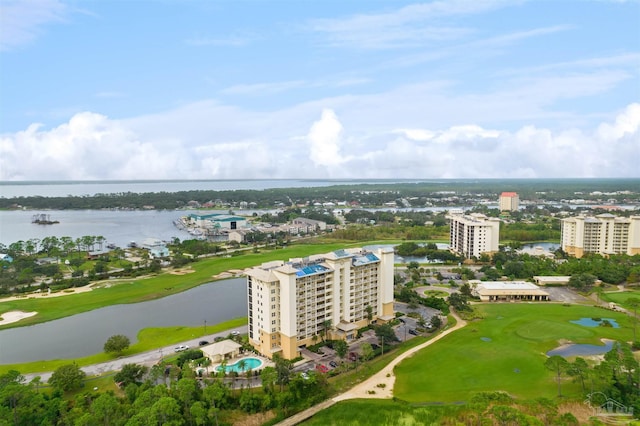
<point>84,334</point>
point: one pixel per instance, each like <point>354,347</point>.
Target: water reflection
<point>84,334</point>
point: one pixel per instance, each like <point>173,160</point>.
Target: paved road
<point>148,358</point>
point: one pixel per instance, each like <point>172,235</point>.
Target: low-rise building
<point>507,291</point>
<point>551,280</point>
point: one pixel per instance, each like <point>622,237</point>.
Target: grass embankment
<point>504,351</point>
<point>148,339</point>
<point>144,289</point>
<point>136,290</point>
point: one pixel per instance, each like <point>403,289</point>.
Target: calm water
<point>590,322</point>
<point>118,227</point>
<point>581,350</point>
<point>84,334</point>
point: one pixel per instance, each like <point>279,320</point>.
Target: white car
<point>181,348</point>
<point>235,333</point>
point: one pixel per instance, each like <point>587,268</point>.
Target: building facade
<point>507,291</point>
<point>602,234</point>
<point>509,202</point>
<point>474,234</point>
<point>296,303</point>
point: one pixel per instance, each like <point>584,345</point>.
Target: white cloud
<point>22,21</point>
<point>92,146</point>
<point>408,26</point>
<point>325,140</point>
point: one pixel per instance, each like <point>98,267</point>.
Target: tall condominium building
<point>474,234</point>
<point>602,234</point>
<point>509,202</point>
<point>293,304</point>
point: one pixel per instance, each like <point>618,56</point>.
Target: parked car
<point>322,368</point>
<point>401,320</point>
<point>235,333</point>
<point>413,331</point>
<point>181,348</point>
<point>333,364</point>
<point>203,343</point>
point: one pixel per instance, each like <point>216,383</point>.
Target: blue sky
<point>332,89</point>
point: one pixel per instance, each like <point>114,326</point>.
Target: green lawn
<point>143,289</point>
<point>505,351</point>
<point>148,339</point>
<point>164,284</point>
<point>376,412</point>
<point>621,297</point>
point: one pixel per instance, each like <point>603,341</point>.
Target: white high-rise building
<point>474,234</point>
<point>602,234</point>
<point>509,202</point>
<point>293,304</point>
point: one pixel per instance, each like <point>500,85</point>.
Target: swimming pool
<point>250,364</point>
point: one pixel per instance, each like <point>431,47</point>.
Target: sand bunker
<point>14,316</point>
<point>231,273</point>
<point>182,271</point>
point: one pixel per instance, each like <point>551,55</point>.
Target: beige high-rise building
<point>509,202</point>
<point>293,304</point>
<point>474,234</point>
<point>602,234</point>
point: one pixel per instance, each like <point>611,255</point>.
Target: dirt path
<point>385,376</point>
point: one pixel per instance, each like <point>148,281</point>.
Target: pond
<point>84,334</point>
<point>596,322</point>
<point>581,349</point>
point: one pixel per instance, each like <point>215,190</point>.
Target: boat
<point>43,219</point>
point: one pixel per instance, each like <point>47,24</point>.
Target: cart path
<point>385,376</point>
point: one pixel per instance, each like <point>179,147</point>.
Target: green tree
<point>580,370</point>
<point>559,366</point>
<point>367,351</point>
<point>116,344</point>
<point>341,348</point>
<point>634,303</point>
<point>67,377</point>
<point>106,410</point>
<point>326,326</point>
<point>436,322</point>
<point>130,373</point>
<point>582,282</point>
<point>369,311</point>
<point>385,332</point>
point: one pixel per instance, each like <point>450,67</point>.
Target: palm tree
<point>242,364</point>
<point>326,326</point>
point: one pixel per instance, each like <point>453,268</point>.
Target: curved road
<point>385,376</point>
<point>148,358</point>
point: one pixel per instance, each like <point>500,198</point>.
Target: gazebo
<point>217,352</point>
